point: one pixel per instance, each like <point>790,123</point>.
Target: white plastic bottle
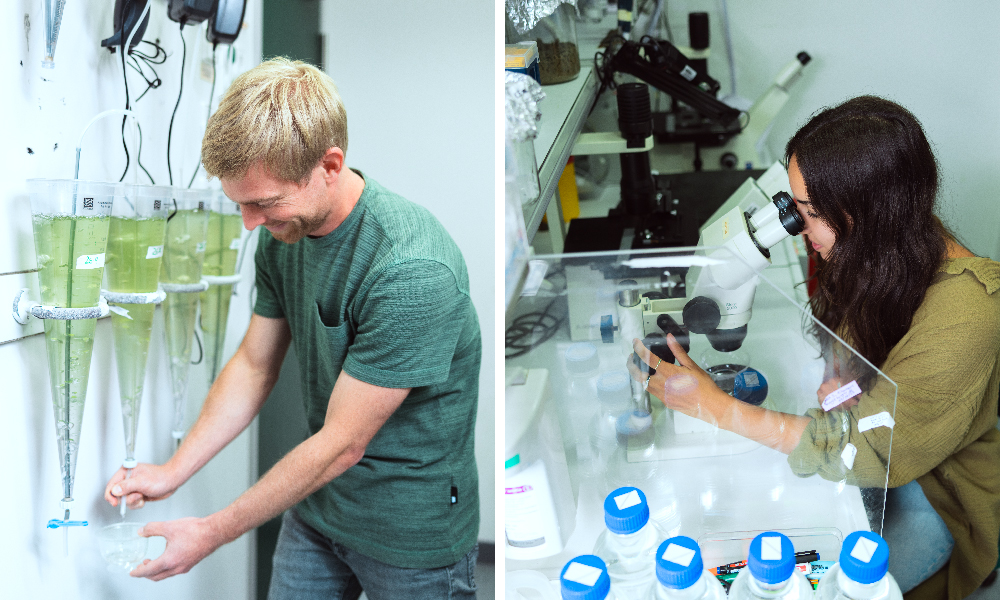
<point>585,578</point>
<point>862,572</point>
<point>770,572</point>
<point>628,545</point>
<point>681,574</point>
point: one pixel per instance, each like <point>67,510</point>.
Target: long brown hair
<point>871,176</point>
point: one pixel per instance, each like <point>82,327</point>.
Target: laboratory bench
<point>703,482</point>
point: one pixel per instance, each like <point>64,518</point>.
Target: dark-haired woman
<point>915,303</point>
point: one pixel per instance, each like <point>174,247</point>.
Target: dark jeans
<point>309,566</point>
<point>919,542</point>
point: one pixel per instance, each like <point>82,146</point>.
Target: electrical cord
<point>534,328</point>
<point>530,330</point>
<point>180,92</point>
<point>201,349</point>
<point>128,105</point>
<point>211,95</point>
<point>138,156</point>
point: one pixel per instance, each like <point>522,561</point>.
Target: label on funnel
<point>235,244</point>
<point>200,247</point>
<point>154,252</point>
<point>90,261</point>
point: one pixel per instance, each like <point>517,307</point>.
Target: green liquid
<point>182,260</point>
<point>69,276</point>
<point>220,260</point>
<point>130,271</point>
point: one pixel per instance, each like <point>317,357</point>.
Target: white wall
<point>43,109</point>
<point>417,79</point>
<point>940,60</point>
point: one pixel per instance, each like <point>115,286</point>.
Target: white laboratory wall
<point>44,112</point>
<point>940,60</point>
<point>417,80</point>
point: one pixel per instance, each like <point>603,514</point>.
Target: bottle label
<point>154,252</point>
<point>770,547</point>
<point>678,555</point>
<point>90,261</point>
<point>582,574</point>
<point>530,511</point>
<point>864,550</point>
<point>627,499</point>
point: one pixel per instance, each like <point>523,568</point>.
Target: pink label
<point>518,490</point>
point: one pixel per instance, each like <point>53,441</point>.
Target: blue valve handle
<point>57,523</point>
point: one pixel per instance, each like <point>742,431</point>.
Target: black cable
<point>535,327</point>
<point>171,215</point>
<point>150,83</point>
<point>211,95</point>
<point>128,106</point>
<point>201,350</point>
<point>138,156</point>
<point>159,57</point>
<point>180,91</point>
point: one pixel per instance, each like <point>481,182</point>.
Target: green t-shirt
<point>385,298</point>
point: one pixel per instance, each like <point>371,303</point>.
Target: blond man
<point>374,295</point>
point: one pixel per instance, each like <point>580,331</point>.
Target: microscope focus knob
<point>701,315</point>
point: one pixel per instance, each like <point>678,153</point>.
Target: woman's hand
<point>685,387</point>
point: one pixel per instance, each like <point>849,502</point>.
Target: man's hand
<point>189,540</point>
<point>146,483</point>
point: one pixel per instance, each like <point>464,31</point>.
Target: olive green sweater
<point>947,369</point>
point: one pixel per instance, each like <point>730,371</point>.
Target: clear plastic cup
<point>122,547</point>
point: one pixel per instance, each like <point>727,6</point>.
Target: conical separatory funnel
<point>180,278</point>
<point>135,251</point>
<point>225,226</point>
<point>70,220</point>
<point>53,22</point>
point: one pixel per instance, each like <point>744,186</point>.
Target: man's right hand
<point>146,483</point>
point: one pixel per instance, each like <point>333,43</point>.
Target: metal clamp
<point>221,279</point>
<point>134,298</point>
<point>24,308</point>
<point>184,288</point>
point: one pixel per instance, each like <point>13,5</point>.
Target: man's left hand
<point>189,540</point>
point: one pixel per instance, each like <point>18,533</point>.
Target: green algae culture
<point>220,260</point>
<point>135,250</point>
<point>70,224</point>
<point>183,252</point>
<point>70,253</point>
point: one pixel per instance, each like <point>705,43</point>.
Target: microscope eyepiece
<point>790,218</point>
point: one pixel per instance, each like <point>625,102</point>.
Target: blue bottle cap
<point>633,423</point>
<point>678,563</point>
<point>581,357</point>
<point>613,386</point>
<point>772,557</point>
<point>585,578</point>
<point>750,387</point>
<point>864,557</point>
<point>626,510</point>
